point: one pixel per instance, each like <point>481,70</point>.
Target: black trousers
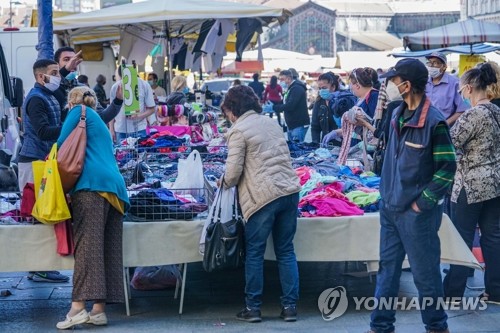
<point>466,217</point>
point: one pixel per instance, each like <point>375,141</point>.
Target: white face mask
<point>434,72</point>
<point>392,91</point>
<point>54,82</point>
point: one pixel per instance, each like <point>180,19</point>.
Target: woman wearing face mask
<point>322,121</point>
<point>178,96</point>
<point>361,80</point>
<point>476,189</point>
<point>389,99</point>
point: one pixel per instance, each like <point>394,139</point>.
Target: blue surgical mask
<point>185,90</point>
<point>71,76</point>
<point>467,101</point>
<point>338,121</point>
<point>283,85</point>
<point>151,82</point>
<point>325,94</point>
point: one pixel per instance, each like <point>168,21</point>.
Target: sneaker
<point>98,319</point>
<point>49,276</point>
<point>289,313</point>
<point>80,318</point>
<point>249,315</point>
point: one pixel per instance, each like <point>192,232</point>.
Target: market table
<point>351,238</point>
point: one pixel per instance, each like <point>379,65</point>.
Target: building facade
<point>487,10</point>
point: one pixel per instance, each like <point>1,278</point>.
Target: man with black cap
<point>442,88</point>
<point>418,168</point>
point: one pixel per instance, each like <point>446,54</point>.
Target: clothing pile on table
<point>332,190</point>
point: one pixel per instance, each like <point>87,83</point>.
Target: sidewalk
<point>212,301</point>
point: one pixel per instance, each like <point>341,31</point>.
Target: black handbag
<point>225,242</point>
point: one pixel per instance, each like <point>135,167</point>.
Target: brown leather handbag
<point>71,155</point>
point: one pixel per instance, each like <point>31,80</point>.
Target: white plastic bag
<point>190,178</point>
<point>224,198</point>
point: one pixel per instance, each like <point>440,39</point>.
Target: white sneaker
<point>99,319</point>
<point>80,318</point>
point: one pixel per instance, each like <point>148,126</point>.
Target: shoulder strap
<point>83,113</point>
<point>493,114</point>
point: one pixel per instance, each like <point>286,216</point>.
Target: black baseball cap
<point>409,69</point>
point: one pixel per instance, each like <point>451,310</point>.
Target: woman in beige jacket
<point>259,164</point>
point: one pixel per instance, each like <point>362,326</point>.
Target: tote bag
<point>225,242</point>
<point>50,206</point>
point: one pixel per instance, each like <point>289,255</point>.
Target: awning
<point>374,59</point>
<point>462,49</point>
<point>460,33</point>
<point>380,41</point>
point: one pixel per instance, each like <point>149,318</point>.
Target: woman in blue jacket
<point>99,200</point>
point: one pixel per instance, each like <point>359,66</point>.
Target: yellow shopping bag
<point>38,168</point>
<point>50,206</point>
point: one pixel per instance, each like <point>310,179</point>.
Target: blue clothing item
<point>45,46</point>
<point>416,235</point>
<point>369,104</point>
<point>297,134</point>
<point>338,121</point>
<point>33,147</point>
<point>122,136</point>
<point>280,218</point>
<point>100,171</point>
<point>410,152</point>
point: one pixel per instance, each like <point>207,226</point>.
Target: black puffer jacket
<point>295,105</point>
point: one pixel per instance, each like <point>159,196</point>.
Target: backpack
<point>343,102</point>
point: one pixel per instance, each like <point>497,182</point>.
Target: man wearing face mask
<point>68,61</point>
<point>157,90</point>
<point>442,88</point>
<point>294,106</point>
<point>41,115</point>
<point>418,169</point>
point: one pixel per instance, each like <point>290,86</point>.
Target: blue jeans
<point>297,134</point>
<point>280,218</point>
<point>416,235</point>
<point>122,136</point>
<point>466,217</point>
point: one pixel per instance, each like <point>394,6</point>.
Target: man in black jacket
<point>294,106</point>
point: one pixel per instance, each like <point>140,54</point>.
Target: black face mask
<point>104,83</point>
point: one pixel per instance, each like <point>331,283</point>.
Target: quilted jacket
<point>258,162</point>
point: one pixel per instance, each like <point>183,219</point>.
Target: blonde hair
<point>178,83</point>
<point>82,95</point>
<point>493,90</point>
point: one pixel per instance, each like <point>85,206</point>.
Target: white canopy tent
<point>468,32</point>
<point>142,22</point>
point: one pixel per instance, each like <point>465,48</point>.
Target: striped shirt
<point>444,163</point>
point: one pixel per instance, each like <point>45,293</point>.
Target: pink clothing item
<point>329,202</point>
<point>331,188</point>
<point>333,207</point>
<point>304,174</point>
<point>178,131</point>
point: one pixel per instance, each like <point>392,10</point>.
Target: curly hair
<point>493,90</point>
<point>240,99</point>
<point>82,95</point>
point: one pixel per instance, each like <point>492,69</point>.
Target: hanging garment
<point>204,30</point>
<point>216,39</point>
<point>246,29</point>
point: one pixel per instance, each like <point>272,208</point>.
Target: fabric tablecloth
<point>354,238</point>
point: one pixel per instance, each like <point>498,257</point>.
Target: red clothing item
<point>273,94</point>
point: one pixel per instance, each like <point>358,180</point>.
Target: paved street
<point>212,300</point>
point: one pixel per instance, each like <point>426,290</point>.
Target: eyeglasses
<point>434,63</point>
<point>461,89</point>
